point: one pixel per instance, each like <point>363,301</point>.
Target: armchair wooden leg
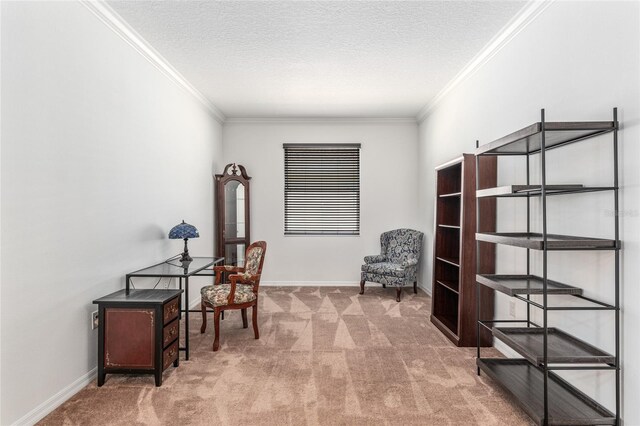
<point>216,326</point>
<point>254,320</point>
<point>398,293</point>
<point>244,318</point>
<point>384,286</point>
<point>415,287</point>
<point>362,287</point>
<point>204,317</point>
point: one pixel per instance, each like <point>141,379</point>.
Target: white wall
<point>101,155</point>
<point>577,60</point>
<point>388,170</point>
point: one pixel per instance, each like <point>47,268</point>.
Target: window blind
<point>321,189</point>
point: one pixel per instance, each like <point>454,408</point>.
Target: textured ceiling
<point>317,58</point>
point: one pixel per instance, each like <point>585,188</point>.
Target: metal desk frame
<point>199,272</point>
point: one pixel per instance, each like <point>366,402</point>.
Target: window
<point>322,189</point>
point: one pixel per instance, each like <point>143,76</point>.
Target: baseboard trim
<point>195,304</point>
<point>310,283</point>
<point>58,399</point>
<point>425,289</point>
<point>323,284</point>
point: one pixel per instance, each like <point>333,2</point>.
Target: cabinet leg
<point>158,376</point>
<point>101,377</point>
<point>177,361</point>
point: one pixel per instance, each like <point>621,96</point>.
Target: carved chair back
<point>254,259</point>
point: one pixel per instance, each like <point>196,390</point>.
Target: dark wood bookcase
<point>454,297</point>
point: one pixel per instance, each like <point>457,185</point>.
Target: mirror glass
<point>234,254</point>
<point>234,196</point>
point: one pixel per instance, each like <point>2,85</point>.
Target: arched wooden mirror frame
<point>232,173</point>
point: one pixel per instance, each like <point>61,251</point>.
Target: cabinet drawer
<point>169,355</point>
<point>170,333</point>
<point>171,310</point>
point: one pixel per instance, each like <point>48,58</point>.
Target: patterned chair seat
<point>218,295</point>
<point>384,268</point>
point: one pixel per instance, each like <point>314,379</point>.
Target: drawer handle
<point>173,309</point>
<point>173,331</point>
<point>172,352</point>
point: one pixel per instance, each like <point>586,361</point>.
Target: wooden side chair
<point>240,293</point>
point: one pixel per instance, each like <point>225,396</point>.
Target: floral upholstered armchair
<point>398,263</point>
<point>240,293</point>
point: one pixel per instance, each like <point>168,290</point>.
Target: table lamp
<point>184,231</point>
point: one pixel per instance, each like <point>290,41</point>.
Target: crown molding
<point>320,120</point>
<point>119,26</point>
<point>519,22</point>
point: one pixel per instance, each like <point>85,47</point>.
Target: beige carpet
<point>326,356</point>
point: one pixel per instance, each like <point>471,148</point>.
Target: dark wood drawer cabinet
<point>139,332</point>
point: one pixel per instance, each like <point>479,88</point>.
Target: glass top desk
<point>173,268</point>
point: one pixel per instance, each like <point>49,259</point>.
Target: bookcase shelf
<point>536,241</point>
<point>536,190</point>
<point>524,284</point>
<point>566,404</point>
<point>562,348</point>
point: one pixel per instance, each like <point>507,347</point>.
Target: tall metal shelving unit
<point>543,394</point>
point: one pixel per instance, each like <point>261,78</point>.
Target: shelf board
<point>562,348</point>
<point>449,285</point>
<point>442,225</point>
<point>567,405</point>
<point>524,284</point>
<point>535,190</point>
<point>528,140</point>
<point>451,194</point>
<point>448,324</point>
<point>554,242</point>
<point>449,260</point>
<point>523,190</point>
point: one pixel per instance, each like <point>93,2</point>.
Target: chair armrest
<point>228,268</point>
<point>219,270</point>
<point>242,279</point>
<point>412,261</point>
<point>375,258</point>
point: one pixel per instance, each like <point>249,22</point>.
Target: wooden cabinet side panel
<point>129,338</point>
<point>470,261</point>
<point>486,259</point>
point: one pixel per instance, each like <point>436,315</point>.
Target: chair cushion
<point>218,295</point>
<point>384,268</point>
